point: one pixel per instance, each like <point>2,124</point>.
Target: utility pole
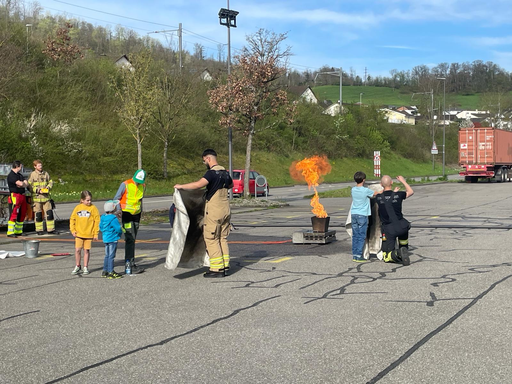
<point>444,118</point>
<point>180,41</point>
<point>340,74</point>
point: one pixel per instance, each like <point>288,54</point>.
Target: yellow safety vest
<point>131,201</point>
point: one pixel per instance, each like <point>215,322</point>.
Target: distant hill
<point>388,96</point>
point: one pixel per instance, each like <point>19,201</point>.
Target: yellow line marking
<point>292,217</point>
<point>145,254</point>
<point>44,257</point>
<point>150,258</point>
<point>435,217</point>
<point>279,260</point>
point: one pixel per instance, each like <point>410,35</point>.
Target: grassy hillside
<point>274,167</point>
<point>389,96</point>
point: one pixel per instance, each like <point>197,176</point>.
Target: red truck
<point>485,153</point>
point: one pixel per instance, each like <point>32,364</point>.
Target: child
<point>84,224</point>
<point>359,213</point>
<point>111,230</point>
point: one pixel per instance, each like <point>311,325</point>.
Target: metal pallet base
<point>310,237</point>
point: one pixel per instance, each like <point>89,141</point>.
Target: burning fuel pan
<point>312,237</point>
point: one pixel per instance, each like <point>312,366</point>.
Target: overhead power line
<point>114,14</point>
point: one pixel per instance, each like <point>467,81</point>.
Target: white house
<point>399,117</point>
<point>123,62</point>
<point>304,92</point>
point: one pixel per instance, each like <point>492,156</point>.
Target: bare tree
<point>137,95</point>
<point>174,94</point>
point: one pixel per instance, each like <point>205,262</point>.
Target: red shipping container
<point>485,146</point>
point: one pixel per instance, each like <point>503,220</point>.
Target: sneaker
<point>104,274</point>
<point>40,233</point>
<point>114,275</point>
<point>404,255</point>
<point>76,270</point>
<point>86,271</point>
<point>356,259</point>
<point>12,235</point>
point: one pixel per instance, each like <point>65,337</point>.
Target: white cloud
<point>491,41</point>
<point>400,47</point>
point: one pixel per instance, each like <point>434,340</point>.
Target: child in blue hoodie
<point>111,230</point>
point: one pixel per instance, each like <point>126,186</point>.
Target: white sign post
<point>376,163</point>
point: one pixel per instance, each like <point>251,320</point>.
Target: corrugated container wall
<point>485,146</point>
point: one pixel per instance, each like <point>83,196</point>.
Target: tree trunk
<point>139,150</point>
<point>247,193</point>
<point>166,147</point>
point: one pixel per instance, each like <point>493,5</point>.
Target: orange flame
<point>312,169</point>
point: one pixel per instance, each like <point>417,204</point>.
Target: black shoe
<point>136,270</point>
<point>225,271</point>
<point>53,232</point>
<point>404,255</point>
<point>213,274</point>
<point>12,235</point>
<point>40,233</point>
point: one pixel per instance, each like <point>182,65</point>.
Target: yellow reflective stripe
<point>403,242</point>
<point>387,257</point>
<point>128,225</point>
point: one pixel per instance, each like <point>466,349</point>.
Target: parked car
<point>238,183</point>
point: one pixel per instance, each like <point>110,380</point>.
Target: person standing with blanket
<point>217,213</point>
<point>393,223</point>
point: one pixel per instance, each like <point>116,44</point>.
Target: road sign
<point>434,150</point>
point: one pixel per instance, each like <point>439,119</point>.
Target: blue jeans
<point>110,254</point>
<point>359,229</point>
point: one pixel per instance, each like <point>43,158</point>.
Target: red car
<point>238,183</point>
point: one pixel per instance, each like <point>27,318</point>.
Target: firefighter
<point>17,184</point>
<point>217,213</point>
<point>394,226</point>
<point>130,194</point>
<point>40,185</point>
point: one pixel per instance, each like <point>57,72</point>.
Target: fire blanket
<point>186,247</point>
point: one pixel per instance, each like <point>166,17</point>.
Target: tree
<point>174,94</point>
<point>137,95</point>
<point>60,49</point>
<point>252,91</point>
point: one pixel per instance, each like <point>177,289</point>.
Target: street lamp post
<point>340,74</point>
<point>431,93</point>
<point>227,18</point>
<point>28,25</point>
<point>444,118</point>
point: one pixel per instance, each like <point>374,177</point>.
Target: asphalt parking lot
<point>288,313</point>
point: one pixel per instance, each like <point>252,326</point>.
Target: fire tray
<point>310,237</point>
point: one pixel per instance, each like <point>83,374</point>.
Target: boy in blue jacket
<point>111,230</point>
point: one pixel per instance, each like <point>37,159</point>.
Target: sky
<point>372,36</point>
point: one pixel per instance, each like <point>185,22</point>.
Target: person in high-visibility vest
<point>40,185</point>
<point>17,184</point>
<point>217,213</point>
<point>130,194</point>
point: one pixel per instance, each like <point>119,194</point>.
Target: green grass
<point>274,167</point>
<point>390,96</point>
